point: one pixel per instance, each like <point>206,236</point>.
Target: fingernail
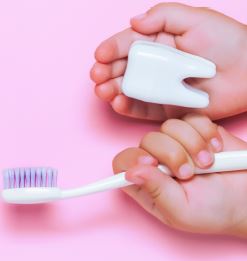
<point>216,144</point>
<point>146,160</point>
<point>204,158</point>
<point>185,171</point>
<point>140,16</point>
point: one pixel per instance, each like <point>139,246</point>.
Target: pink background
<point>50,116</point>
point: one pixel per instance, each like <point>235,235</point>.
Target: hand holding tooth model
<point>197,31</point>
<point>163,173</point>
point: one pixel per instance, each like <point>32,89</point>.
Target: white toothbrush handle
<point>227,161</point>
<point>224,161</point>
<point>113,182</point>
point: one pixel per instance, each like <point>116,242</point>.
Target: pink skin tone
<point>188,29</point>
<point>210,204</point>
<point>214,203</point>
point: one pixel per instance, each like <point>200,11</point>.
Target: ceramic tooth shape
<point>155,73</point>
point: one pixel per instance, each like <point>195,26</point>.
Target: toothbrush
<point>39,185</point>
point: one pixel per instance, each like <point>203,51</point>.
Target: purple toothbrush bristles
<point>12,178</point>
<point>54,180</point>
<point>22,178</point>
<point>33,173</point>
<point>49,177</point>
<point>17,178</point>
<point>29,177</point>
<point>6,179</point>
<point>43,175</point>
<point>38,178</point>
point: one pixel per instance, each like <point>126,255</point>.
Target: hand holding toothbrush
<point>215,204</point>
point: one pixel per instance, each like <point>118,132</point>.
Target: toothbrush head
<point>30,185</point>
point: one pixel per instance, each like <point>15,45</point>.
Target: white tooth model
<point>156,72</point>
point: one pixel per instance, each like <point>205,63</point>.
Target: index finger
<point>117,46</point>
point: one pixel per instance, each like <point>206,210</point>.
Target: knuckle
<point>121,155</point>
<point>126,159</point>
<point>211,130</point>
<point>175,156</point>
<point>202,123</point>
<point>169,124</point>
<point>147,138</point>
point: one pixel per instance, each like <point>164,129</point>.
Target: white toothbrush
<point>39,185</point>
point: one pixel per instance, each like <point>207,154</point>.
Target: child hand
<point>199,31</point>
<point>214,203</point>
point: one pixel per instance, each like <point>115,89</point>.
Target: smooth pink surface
<point>50,116</point>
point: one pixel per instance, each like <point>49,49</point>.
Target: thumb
<point>167,194</point>
<point>172,18</point>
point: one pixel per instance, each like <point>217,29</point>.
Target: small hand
<point>199,31</point>
<point>214,203</point>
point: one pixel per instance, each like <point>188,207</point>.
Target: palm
<point>211,200</point>
<point>213,197</point>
